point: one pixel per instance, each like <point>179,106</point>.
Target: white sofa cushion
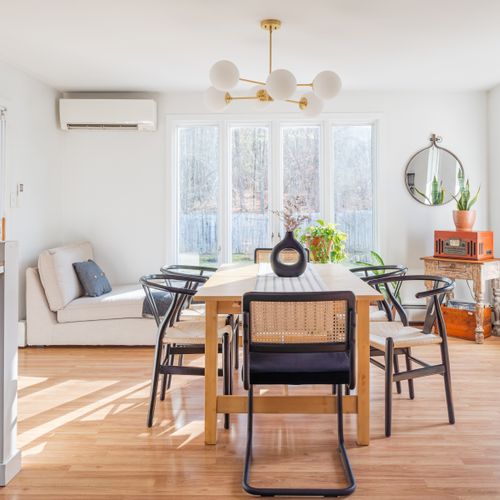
<point>57,275</point>
<point>123,301</point>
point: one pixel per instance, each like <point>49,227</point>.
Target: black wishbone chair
<point>382,310</point>
<point>392,338</point>
<point>181,336</point>
<point>299,338</point>
<point>193,309</point>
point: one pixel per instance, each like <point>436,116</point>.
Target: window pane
<point>198,148</point>
<point>250,216</point>
<point>300,153</point>
<point>353,186</point>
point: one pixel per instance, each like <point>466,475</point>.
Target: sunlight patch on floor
<point>25,382</point>
<point>34,450</point>
<point>56,395</point>
<point>192,430</point>
<point>51,425</point>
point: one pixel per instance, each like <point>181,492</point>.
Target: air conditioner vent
<point>103,126</point>
<point>107,114</point>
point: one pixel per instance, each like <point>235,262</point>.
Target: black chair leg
<point>411,388</point>
<point>389,370</point>
<point>447,382</point>
<point>236,344</point>
<point>165,377</point>
<point>347,390</point>
<point>154,381</point>
<point>334,389</point>
<point>270,492</point>
<point>227,372</point>
<point>396,371</point>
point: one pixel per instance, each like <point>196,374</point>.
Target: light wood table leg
<point>211,356</point>
<point>479,296</point>
<point>496,306</point>
<point>363,379</point>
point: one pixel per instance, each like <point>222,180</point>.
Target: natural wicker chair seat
<point>193,332</point>
<point>402,336</point>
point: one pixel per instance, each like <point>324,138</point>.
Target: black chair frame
<point>249,346</point>
<point>204,272</point>
<point>164,361</point>
<point>434,318</point>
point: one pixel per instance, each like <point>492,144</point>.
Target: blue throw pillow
<point>92,278</point>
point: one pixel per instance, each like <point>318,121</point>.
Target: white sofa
<point>57,313</point>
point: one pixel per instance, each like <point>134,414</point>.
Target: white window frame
<point>275,122</point>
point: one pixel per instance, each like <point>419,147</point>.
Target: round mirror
<point>433,174</point>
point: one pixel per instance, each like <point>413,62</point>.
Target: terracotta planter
<point>320,247</point>
<point>464,219</point>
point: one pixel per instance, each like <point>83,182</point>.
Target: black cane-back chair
<point>391,338</point>
<point>179,337</point>
<point>299,338</point>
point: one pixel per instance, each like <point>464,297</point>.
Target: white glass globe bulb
<point>311,105</point>
<point>281,84</point>
<point>263,100</point>
<point>216,100</point>
<point>224,75</point>
<point>327,84</point>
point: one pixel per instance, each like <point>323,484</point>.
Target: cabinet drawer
<point>455,267</point>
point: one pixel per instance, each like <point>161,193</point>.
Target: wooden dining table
<point>223,293</point>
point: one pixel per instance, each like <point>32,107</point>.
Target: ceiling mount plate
<point>270,24</point>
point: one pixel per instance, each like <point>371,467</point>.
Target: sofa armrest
<point>40,320</point>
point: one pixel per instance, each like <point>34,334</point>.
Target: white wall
<point>114,183</point>
<point>33,158</point>
<point>494,162</point>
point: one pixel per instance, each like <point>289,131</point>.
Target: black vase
<point>288,257</point>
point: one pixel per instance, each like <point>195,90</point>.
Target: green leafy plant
<point>464,200</point>
<point>437,192</point>
<point>377,260</point>
<point>326,243</point>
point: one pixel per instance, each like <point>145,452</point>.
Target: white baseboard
<point>10,468</point>
<point>21,331</point>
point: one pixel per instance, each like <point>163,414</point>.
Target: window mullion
<point>225,195</point>
<point>276,180</point>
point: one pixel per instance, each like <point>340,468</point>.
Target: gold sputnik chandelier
<point>280,84</point>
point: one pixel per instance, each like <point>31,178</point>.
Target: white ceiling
<point>160,45</point>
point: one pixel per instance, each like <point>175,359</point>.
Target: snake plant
<point>464,200</point>
<point>437,193</point>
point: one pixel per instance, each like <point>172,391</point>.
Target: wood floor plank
<point>82,430</point>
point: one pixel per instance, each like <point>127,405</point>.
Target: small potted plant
<point>463,216</point>
<point>325,242</point>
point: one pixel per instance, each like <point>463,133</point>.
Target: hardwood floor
<point>82,429</point>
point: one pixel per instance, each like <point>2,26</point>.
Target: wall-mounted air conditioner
<point>107,114</point>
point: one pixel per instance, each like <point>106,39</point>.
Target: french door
<point>231,177</point>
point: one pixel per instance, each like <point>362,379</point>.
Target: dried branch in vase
<point>292,215</point>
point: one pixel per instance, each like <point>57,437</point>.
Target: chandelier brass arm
<point>280,84</point>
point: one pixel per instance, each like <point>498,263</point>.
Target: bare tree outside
<point>353,186</point>
<point>250,166</point>
<point>301,155</point>
<point>249,148</point>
